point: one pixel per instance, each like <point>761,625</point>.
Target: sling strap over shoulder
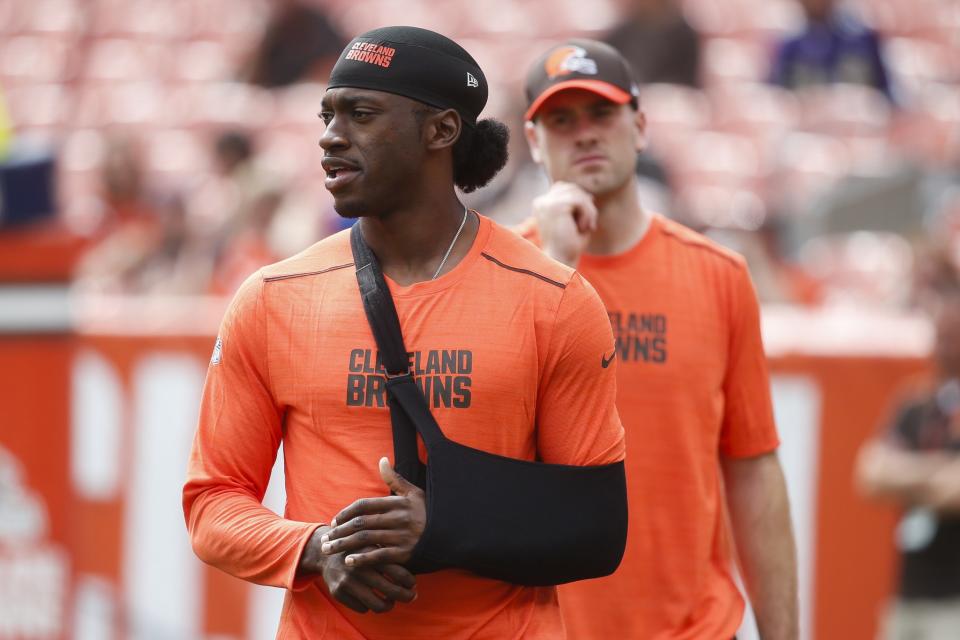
<point>524,522</point>
<point>385,325</point>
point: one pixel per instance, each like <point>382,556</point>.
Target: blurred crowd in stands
<point>820,138</point>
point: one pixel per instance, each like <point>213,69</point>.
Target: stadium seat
<point>203,61</point>
<point>717,162</point>
<point>759,20</point>
<point>916,62</point>
<point>720,206</point>
<point>230,104</point>
<point>806,166</point>
<point>566,17</point>
<point>53,17</point>
<point>441,16</point>
<point>298,106</point>
<point>906,17</point>
<point>674,113</point>
<point>28,59</point>
<point>126,59</point>
<point>142,104</point>
<point>928,130</point>
<point>177,151</point>
<point>290,154</point>
<point>844,109</point>
<point>12,17</point>
<point>38,109</point>
<point>857,116</point>
<point>734,60</point>
<point>758,110</point>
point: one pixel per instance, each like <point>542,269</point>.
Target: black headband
<point>415,63</point>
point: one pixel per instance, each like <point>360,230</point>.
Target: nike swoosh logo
<point>605,361</point>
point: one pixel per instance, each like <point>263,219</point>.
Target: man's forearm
<point>232,531</point>
<point>887,471</point>
<point>760,514</point>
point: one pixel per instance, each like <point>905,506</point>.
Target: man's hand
<point>886,470</point>
<point>360,588</point>
<point>566,216</point>
<point>393,525</point>
<point>944,488</point>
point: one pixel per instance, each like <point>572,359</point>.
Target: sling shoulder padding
<point>520,521</point>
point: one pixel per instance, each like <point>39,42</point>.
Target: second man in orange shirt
<point>693,389</point>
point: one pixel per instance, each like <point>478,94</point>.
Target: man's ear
<point>442,129</point>
<point>640,125</point>
<point>530,132</point>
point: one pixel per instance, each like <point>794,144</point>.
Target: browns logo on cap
<point>580,64</point>
<point>416,63</point>
<point>566,60</point>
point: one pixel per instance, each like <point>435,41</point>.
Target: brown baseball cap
<point>580,64</point>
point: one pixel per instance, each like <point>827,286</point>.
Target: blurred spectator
<point>162,244</point>
<point>250,197</point>
<point>298,43</point>
<point>658,42</point>
<point>935,275</point>
<point>131,227</point>
<point>174,263</point>
<point>916,464</point>
<point>834,46</point>
<point>122,180</point>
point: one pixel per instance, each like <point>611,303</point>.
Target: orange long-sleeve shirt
<point>692,385</point>
<point>508,347</point>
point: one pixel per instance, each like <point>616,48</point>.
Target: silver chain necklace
<point>450,248</point>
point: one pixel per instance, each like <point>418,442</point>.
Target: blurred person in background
<point>250,197</point>
<point>131,224</point>
<point>658,42</point>
<point>298,44</point>
<point>915,464</point>
<point>124,193</point>
<point>834,46</point>
<point>692,389</point>
<point>250,189</point>
<point>935,275</point>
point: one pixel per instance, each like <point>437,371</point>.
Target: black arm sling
<point>523,522</point>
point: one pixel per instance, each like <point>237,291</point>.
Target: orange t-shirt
<point>692,384</point>
<point>507,347</point>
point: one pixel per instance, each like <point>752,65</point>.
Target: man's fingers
<point>349,591</point>
<point>586,216</point>
<point>393,591</point>
<point>377,521</point>
<point>362,540</point>
<point>580,204</point>
<point>351,602</point>
<point>365,506</point>
<point>398,575</point>
<point>397,483</point>
<point>371,600</point>
<point>386,555</point>
<point>584,210</point>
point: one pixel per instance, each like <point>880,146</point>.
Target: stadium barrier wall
<point>96,422</point>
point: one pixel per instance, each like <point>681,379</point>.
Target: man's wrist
<point>312,559</point>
